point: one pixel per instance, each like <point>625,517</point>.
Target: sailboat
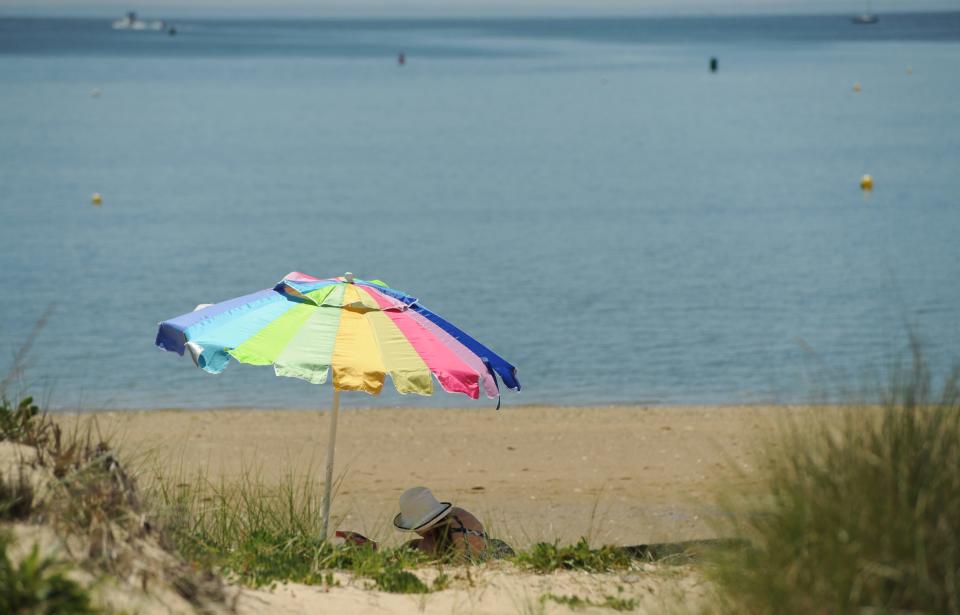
<point>867,17</point>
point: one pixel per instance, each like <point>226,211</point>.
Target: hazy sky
<point>318,8</point>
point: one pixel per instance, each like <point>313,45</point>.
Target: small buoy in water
<point>866,183</point>
<point>96,199</point>
<point>95,92</point>
<point>856,87</point>
<point>714,64</point>
<point>401,58</point>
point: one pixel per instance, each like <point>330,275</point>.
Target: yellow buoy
<point>856,87</point>
<point>866,183</point>
<point>96,199</point>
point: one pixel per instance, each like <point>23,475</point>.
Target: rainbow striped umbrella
<point>360,330</point>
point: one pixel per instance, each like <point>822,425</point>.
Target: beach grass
<point>39,584</point>
<point>16,497</point>
<point>575,602</point>
<point>262,534</point>
<point>21,421</point>
<point>546,557</point>
<point>861,510</point>
<point>71,483</point>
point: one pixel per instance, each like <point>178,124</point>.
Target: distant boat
<point>868,17</point>
<point>130,22</point>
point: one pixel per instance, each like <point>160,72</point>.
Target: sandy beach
<point>623,475</point>
<point>620,475</point>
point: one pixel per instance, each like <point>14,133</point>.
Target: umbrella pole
<point>331,442</point>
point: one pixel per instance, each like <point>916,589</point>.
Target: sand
<point>496,590</point>
<point>620,475</point>
<point>624,475</point>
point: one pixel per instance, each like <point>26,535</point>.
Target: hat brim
<point>403,524</point>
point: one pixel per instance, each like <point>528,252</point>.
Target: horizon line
<point>297,14</point>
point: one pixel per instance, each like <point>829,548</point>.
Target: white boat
<point>130,22</point>
<point>867,17</point>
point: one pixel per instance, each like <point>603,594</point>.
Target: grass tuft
<point>22,422</point>
<point>38,585</point>
<point>862,510</point>
<point>16,497</point>
<point>576,603</point>
<point>546,557</point>
<point>264,535</point>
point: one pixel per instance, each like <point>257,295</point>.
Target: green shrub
<point>38,585</point>
<point>863,510</point>
<point>399,581</point>
<point>546,557</point>
<point>22,422</point>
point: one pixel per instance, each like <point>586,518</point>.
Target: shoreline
<point>346,407</point>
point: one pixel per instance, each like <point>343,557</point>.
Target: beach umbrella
<point>361,331</point>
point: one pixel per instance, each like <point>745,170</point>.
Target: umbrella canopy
<point>360,330</point>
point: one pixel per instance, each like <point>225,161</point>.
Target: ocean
<point>583,195</point>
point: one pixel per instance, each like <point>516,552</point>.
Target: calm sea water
<point>582,195</point>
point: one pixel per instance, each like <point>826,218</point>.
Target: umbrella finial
<point>349,277</point>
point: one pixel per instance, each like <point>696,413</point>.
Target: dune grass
<point>575,603</point>
<point>264,534</point>
<point>38,584</point>
<point>546,557</point>
<point>91,488</point>
<point>19,420</point>
<point>862,512</point>
<point>89,498</point>
<point>16,497</point>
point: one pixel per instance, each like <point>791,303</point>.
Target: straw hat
<point>419,510</point>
